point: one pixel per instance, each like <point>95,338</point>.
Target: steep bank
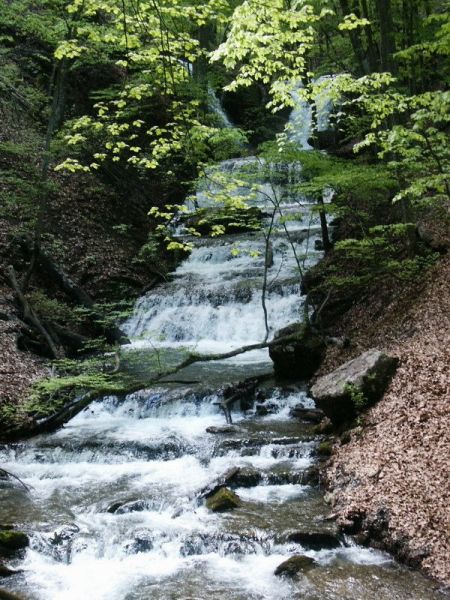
<point>390,481</point>
<point>96,238</point>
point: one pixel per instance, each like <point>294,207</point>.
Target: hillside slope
<point>391,481</point>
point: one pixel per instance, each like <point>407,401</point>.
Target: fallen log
<point>72,408</point>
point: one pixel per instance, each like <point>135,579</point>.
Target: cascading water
<point>114,510</point>
<point>300,126</point>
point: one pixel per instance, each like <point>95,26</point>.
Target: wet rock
<point>11,541</point>
<point>222,481</point>
<point>5,595</point>
<point>59,544</point>
<point>222,429</point>
<point>142,542</point>
<point>64,534</point>
<point>356,384</point>
<point>312,415</point>
<point>285,478</point>
<point>314,540</point>
<point>325,448</point>
<point>265,408</point>
<point>222,543</point>
<point>245,477</point>
<point>318,245</point>
<point>132,506</point>
<point>324,427</point>
<point>223,500</point>
<point>311,476</point>
<point>6,571</point>
<point>301,356</point>
<point>294,565</point>
<point>113,507</point>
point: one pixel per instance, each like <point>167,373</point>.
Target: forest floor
<point>81,237</point>
<point>393,474</point>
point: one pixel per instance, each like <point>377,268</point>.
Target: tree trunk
<point>327,245</point>
<point>356,42</point>
<point>387,37</point>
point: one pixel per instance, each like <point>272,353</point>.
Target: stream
<point>114,510</point>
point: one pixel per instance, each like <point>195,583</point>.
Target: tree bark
<point>387,37</point>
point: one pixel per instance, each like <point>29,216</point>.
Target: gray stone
<point>353,386</point>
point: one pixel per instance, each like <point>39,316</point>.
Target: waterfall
<point>115,509</point>
<point>216,108</point>
<point>300,125</point>
<point>214,301</point>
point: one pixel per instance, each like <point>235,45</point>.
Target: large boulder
<point>354,386</point>
<point>301,356</point>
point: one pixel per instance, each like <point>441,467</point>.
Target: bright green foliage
<point>155,44</point>
<point>269,43</point>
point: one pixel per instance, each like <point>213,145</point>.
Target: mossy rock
<point>11,541</point>
<point>301,356</point>
<point>294,565</point>
<point>223,500</point>
<point>325,449</point>
<point>5,595</point>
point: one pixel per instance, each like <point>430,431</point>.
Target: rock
<point>5,595</point>
<point>221,543</point>
<point>221,482</point>
<point>311,476</point>
<point>325,448</point>
<point>222,429</point>
<point>356,384</point>
<point>294,565</point>
<point>265,408</point>
<point>11,541</point>
<point>300,357</point>
<point>223,500</point>
<point>6,571</point>
<point>432,237</point>
<point>314,540</point>
<point>64,534</point>
<point>318,245</point>
<point>142,542</point>
<point>243,392</point>
<point>324,427</point>
<point>312,415</point>
<point>132,506</point>
<point>246,477</point>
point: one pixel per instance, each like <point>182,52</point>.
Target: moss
<point>325,449</point>
<point>294,565</point>
<point>13,540</point>
<point>223,500</point>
